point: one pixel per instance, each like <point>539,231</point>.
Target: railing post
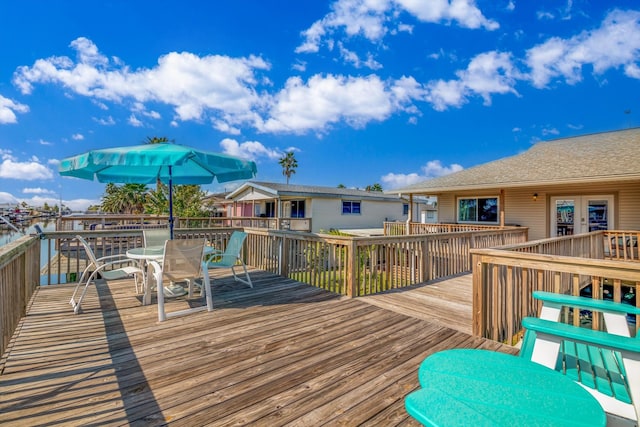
<point>479,309</point>
<point>426,274</point>
<point>352,268</point>
<point>283,258</point>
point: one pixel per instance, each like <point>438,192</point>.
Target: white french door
<point>581,214</point>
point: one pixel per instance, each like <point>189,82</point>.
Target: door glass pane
<point>467,210</point>
<point>598,215</point>
<point>565,213</point>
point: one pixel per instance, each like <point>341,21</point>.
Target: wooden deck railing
<point>504,278</point>
<point>19,266</point>
<point>400,228</point>
<point>125,222</point>
<point>357,266</point>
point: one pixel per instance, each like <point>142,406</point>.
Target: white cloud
<point>326,100</point>
<point>431,169</point>
<point>77,136</point>
<point>250,150</point>
<point>30,170</point>
<point>487,74</point>
<point>374,19</point>
<point>7,198</point>
<point>133,121</point>
<point>79,204</point>
<point>208,85</point>
<point>8,110</point>
<point>464,12</point>
<point>105,121</point>
<point>352,57</point>
<point>615,44</point>
<point>43,142</point>
<point>37,190</point>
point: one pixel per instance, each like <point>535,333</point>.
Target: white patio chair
<point>231,258</point>
<point>102,267</point>
<point>182,261</point>
<point>155,236</point>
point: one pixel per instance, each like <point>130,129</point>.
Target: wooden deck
<point>283,353</point>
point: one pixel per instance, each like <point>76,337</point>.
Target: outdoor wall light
<point>535,196</point>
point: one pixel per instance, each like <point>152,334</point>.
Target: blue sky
<point>364,91</point>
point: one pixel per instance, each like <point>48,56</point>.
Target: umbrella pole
<point>170,205</point>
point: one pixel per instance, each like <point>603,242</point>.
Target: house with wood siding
<point>558,187</point>
<point>316,208</point>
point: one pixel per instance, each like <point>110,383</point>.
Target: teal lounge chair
<point>231,257</point>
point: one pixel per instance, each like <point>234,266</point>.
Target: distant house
<point>315,208</point>
<point>559,187</point>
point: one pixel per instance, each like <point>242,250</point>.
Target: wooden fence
<point>504,278</point>
<point>19,266</point>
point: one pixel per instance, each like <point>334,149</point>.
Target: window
<point>297,209</point>
<point>478,210</point>
<point>405,209</point>
<point>350,207</point>
<point>270,209</point>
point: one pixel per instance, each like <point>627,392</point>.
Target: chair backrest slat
<point>155,236</point>
<point>183,258</point>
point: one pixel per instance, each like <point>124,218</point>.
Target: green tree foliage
<point>124,199</point>
<point>289,164</point>
<point>374,187</point>
<point>187,201</point>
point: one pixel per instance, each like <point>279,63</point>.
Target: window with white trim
<point>350,207</point>
<point>297,209</point>
<point>478,209</point>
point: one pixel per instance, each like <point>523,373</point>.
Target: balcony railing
<point>400,228</point>
<point>604,262</point>
<point>126,222</point>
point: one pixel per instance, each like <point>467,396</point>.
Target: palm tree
<point>374,187</point>
<point>128,198</point>
<point>289,165</point>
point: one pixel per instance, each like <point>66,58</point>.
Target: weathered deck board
<point>445,301</point>
<point>283,353</point>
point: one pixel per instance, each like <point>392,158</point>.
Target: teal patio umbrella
<point>144,164</point>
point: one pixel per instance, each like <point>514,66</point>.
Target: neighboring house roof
<point>290,190</point>
<point>600,157</point>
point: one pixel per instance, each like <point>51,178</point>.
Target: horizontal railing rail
<point>400,228</point>
<point>504,279</point>
<point>125,222</point>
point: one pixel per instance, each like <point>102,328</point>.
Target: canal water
<point>9,235</point>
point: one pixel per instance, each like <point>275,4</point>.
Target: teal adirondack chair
<point>607,364</point>
<point>231,257</point>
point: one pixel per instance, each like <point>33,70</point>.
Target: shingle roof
<point>292,190</point>
<point>607,156</point>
